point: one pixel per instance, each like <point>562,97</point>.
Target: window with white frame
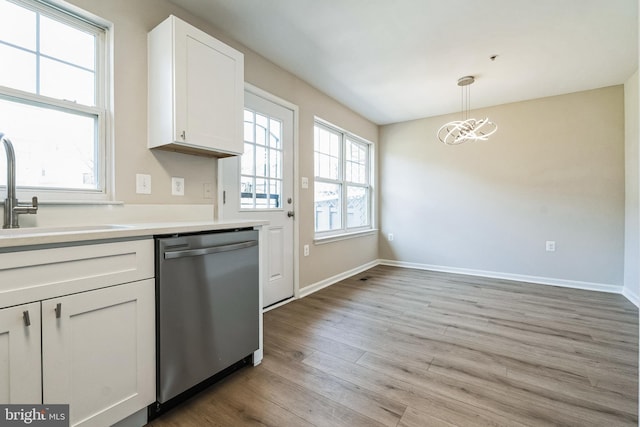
<point>342,186</point>
<point>53,99</point>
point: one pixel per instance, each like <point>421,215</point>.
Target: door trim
<point>248,87</point>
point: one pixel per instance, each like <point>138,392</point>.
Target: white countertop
<point>69,234</point>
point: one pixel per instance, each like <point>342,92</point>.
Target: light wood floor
<point>414,348</point>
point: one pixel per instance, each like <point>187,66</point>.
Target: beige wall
<point>131,22</point>
<point>632,191</point>
<point>553,171</point>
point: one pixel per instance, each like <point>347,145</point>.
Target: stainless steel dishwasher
<point>207,309</point>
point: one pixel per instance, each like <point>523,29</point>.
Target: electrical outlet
<point>305,182</point>
<point>143,183</point>
<point>550,245</point>
<point>177,186</point>
<point>305,249</point>
<point>390,237</point>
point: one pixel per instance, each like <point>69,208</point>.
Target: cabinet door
<point>99,352</point>
<point>20,380</point>
<point>209,91</point>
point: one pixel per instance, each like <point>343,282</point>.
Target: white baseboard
<point>575,284</point>
<point>308,290</point>
<point>590,286</point>
<point>631,296</point>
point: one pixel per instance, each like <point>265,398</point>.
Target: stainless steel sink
<point>32,231</point>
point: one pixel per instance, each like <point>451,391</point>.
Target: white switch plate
<point>143,183</point>
<point>207,190</point>
<point>177,186</point>
<point>550,245</point>
<point>390,237</point>
<point>305,182</point>
<point>306,250</point>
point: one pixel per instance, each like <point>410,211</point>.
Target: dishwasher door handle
<point>210,250</point>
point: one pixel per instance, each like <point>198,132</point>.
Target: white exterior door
<point>259,185</point>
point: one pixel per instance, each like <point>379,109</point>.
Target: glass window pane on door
<point>261,163</point>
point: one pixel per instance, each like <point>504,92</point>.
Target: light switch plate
<point>305,182</point>
<point>207,190</point>
<point>143,183</point>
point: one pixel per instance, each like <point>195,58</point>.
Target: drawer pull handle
<point>58,310</point>
<point>25,316</point>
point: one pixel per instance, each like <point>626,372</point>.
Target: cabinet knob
<point>58,310</point>
<point>25,316</point>
<point>183,135</point>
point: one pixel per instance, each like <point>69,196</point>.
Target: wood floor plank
<point>379,408</point>
<point>393,346</point>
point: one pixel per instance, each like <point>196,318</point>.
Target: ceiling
<point>398,60</point>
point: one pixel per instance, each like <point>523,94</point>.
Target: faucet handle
<point>25,208</point>
<point>34,205</point>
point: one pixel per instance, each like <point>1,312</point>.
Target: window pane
<point>67,44</point>
<point>18,69</point>
<point>327,154</point>
<point>275,163</point>
<point>261,129</point>
<point>17,25</point>
<point>261,161</point>
<point>356,162</point>
<point>275,138</point>
<point>246,192</point>
<point>248,166</point>
<point>62,81</point>
<point>357,207</point>
<point>275,193</point>
<point>261,193</point>
<point>248,126</point>
<point>326,166</point>
<point>60,152</point>
<point>328,206</point>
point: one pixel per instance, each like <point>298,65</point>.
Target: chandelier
<point>467,129</point>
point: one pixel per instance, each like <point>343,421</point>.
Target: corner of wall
<point>631,288</point>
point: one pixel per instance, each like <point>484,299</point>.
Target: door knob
<point>290,214</point>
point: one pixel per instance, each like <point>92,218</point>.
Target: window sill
<point>344,236</point>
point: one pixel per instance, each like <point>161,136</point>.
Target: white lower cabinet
<point>98,349</point>
<point>97,353</point>
<point>93,349</point>
<point>20,380</point>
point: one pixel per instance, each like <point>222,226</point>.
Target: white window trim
<point>321,237</point>
<point>104,97</point>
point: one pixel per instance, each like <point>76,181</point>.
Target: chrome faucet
<point>13,208</point>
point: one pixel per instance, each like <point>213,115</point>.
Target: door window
<point>261,164</point>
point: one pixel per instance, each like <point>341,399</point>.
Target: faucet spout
<point>12,208</point>
<point>11,167</point>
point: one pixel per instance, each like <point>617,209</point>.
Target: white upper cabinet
<point>196,91</point>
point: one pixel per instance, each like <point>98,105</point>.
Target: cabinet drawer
<point>27,276</point>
